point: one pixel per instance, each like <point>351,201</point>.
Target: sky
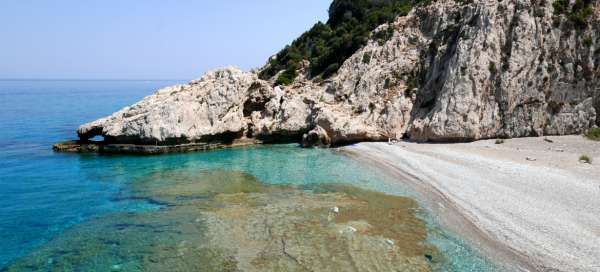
<point>145,39</point>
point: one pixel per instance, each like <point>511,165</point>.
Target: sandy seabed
<point>529,203</point>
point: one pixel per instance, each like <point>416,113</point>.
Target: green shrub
<point>593,134</point>
<point>560,6</point>
<point>287,77</point>
<point>492,68</point>
<point>372,107</point>
<point>585,159</point>
<point>366,58</point>
<point>588,41</point>
<point>580,16</point>
<point>577,14</point>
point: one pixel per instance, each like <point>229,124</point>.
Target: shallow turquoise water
<point>43,193</point>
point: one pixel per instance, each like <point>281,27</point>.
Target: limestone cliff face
<point>449,71</point>
<point>505,68</point>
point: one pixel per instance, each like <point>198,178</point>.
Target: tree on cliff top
<point>328,45</point>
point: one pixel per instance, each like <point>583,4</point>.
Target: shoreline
<point>528,203</point>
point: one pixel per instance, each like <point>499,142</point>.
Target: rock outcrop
<point>449,71</point>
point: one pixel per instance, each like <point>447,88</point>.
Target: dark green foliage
<point>578,14</point>
<point>492,68</point>
<point>588,41</point>
<point>366,57</point>
<point>387,84</point>
<point>412,83</point>
<point>330,70</point>
<point>593,134</point>
<point>372,107</point>
<point>288,76</point>
<point>328,45</point>
<point>560,6</point>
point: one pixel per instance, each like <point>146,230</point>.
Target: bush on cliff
<point>288,76</point>
<point>328,45</point>
<point>593,134</point>
<point>578,14</point>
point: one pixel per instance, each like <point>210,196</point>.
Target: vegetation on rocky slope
<point>593,134</point>
<point>327,45</point>
<point>577,13</point>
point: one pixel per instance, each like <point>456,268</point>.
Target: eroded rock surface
<point>450,71</point>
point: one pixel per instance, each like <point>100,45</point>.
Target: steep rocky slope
<point>448,71</point>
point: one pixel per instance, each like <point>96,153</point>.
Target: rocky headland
<point>449,71</point>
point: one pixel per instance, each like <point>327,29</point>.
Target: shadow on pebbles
<point>230,221</point>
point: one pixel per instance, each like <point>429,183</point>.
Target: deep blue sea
<point>43,194</point>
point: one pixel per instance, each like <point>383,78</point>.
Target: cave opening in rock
<point>97,138</point>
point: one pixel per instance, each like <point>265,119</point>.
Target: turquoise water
<point>44,194</point>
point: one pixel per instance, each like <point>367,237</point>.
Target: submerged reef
<point>230,221</point>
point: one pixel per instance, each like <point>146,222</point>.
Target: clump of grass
<point>500,141</point>
<point>585,159</point>
<point>593,134</point>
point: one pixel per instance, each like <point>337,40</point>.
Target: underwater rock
<point>243,225</point>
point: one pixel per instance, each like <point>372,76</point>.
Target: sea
<point>57,209</point>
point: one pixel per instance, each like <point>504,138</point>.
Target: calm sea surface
<point>47,198</point>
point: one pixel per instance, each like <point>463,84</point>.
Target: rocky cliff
<point>447,71</point>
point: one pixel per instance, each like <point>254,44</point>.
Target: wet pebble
<point>348,229</point>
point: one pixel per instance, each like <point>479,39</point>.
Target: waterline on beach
<point>237,208</point>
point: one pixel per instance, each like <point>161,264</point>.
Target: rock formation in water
<point>447,71</point>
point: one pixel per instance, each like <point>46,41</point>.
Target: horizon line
<point>89,79</point>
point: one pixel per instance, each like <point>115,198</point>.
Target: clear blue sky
<point>145,39</point>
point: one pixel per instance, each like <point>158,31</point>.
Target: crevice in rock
<point>596,103</point>
<point>225,138</point>
<point>500,93</point>
<point>282,137</point>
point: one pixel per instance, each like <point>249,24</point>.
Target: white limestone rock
<point>450,72</point>
<point>210,106</point>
